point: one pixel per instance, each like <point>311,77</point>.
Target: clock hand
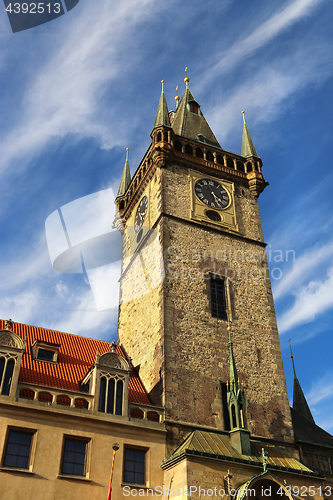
<point>217,200</point>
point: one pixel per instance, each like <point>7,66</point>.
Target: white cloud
<point>268,30</point>
<point>303,267</point>
<point>312,300</point>
<point>268,93</point>
<point>65,96</point>
<point>81,317</point>
<point>321,390</point>
<point>21,306</point>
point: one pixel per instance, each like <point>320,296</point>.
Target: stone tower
<point>193,253</point>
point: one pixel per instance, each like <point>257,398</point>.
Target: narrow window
<point>74,457</point>
<point>217,294</point>
<point>110,401</point>
<point>2,366</point>
<point>18,449</point>
<point>194,108</point>
<point>102,391</point>
<point>134,467</point>
<point>241,416</point>
<point>225,407</point>
<point>7,381</point>
<point>233,416</point>
<point>119,398</point>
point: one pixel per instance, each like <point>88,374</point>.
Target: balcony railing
<point>55,397</point>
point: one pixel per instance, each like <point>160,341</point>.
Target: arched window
<point>209,156</point>
<point>159,137</point>
<point>240,166</point>
<point>241,415</point>
<point>249,166</point>
<point>177,145</point>
<point>119,398</point>
<point>102,389</point>
<point>165,136</point>
<point>233,416</point>
<point>6,375</point>
<point>230,163</point>
<point>111,396</point>
<point>219,159</point>
<point>188,149</point>
<point>199,153</point>
<point>122,205</point>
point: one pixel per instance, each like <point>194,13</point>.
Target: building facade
<point>193,396</point>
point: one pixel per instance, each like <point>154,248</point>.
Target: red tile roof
<point>76,356</point>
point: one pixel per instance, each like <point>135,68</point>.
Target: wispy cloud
<point>65,95</point>
<point>269,92</point>
<point>303,267</point>
<point>266,32</point>
<point>310,301</point>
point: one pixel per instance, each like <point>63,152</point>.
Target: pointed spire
<point>189,121</point>
<point>125,178</point>
<point>248,148</point>
<point>162,115</point>
<point>300,403</point>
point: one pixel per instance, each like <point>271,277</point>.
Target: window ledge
<point>14,469</point>
<point>136,485</point>
<point>69,476</point>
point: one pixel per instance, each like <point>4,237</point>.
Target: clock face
<point>141,214</point>
<point>212,194</point>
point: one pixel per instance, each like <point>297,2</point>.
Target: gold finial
<point>177,98</point>
<point>162,81</point>
<point>186,79</point>
<point>243,112</point>
<point>127,149</point>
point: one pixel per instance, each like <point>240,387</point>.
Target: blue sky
<point>77,91</point>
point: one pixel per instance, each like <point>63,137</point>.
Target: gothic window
<point>6,374</point>
<point>134,466</point>
<point>219,159</point>
<point>74,457</point>
<point>233,416</point>
<point>226,417</point>
<point>110,395</point>
<point>18,449</point>
<point>217,297</point>
<point>249,166</point>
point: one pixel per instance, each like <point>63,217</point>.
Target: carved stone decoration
<point>113,360</point>
<point>10,339</point>
<point>9,324</point>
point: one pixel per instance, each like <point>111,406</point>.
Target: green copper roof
<point>162,115</point>
<point>125,178</point>
<point>189,124</point>
<point>248,148</point>
<point>217,445</point>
